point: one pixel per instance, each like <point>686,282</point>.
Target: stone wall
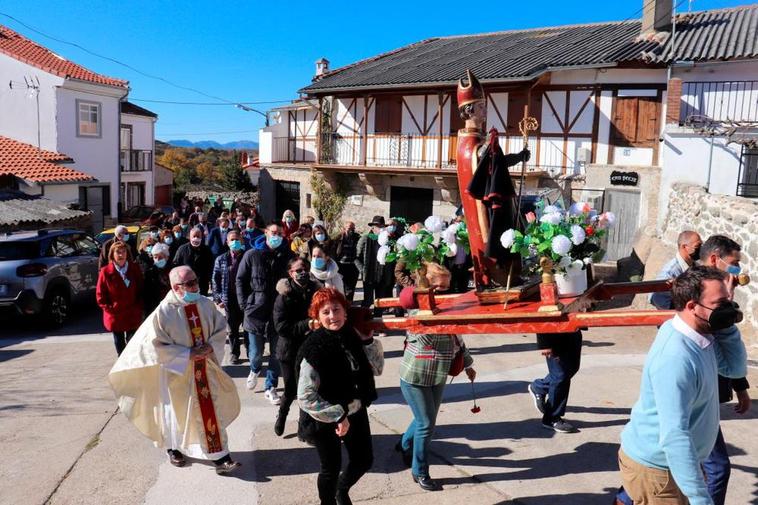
<point>691,208</point>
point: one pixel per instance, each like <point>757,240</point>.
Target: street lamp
<point>250,109</point>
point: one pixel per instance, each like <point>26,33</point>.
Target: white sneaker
<point>252,380</point>
<point>272,397</point>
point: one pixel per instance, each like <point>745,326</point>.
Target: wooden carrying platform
<point>465,314</point>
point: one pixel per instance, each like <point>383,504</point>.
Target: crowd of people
<point>291,285</point>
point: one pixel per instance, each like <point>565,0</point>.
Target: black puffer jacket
<point>291,316</point>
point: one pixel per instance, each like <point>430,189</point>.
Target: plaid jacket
<point>427,358</point>
<point>221,288</point>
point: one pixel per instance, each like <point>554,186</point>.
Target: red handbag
<point>456,365</point>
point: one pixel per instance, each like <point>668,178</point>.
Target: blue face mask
<point>236,245</point>
<point>733,269</point>
<point>154,234</point>
<point>319,263</point>
<point>185,226</point>
<point>168,240</point>
<point>191,297</point>
<point>178,234</point>
<point>125,237</point>
<point>160,263</point>
<point>391,228</point>
<point>149,249</point>
<point>320,237</point>
<point>250,230</point>
<point>274,241</point>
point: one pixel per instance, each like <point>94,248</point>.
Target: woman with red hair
<point>335,387</point>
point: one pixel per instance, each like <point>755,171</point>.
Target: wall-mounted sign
<point>624,178</point>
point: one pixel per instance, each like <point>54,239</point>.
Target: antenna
<point>32,87</point>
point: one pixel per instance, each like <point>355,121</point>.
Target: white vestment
<point>155,385</point>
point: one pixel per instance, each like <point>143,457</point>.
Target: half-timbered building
<point>620,105</point>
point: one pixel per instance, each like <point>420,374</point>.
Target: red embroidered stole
<point>207,411</point>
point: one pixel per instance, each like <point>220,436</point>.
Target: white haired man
<point>169,380</point>
<point>121,234</point>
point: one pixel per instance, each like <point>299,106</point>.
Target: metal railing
<point>720,101</point>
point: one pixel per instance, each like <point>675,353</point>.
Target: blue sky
<point>261,51</point>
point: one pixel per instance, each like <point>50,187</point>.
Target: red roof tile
<point>26,162</point>
<point>19,47</point>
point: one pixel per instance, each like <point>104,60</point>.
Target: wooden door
<point>620,239</point>
<point>388,115</point>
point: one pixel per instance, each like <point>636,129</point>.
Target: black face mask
<point>695,255</point>
<point>723,316</point>
<point>302,277</point>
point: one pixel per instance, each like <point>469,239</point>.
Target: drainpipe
<point>710,165</point>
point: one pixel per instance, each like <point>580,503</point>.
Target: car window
<point>85,245</point>
<point>62,247</point>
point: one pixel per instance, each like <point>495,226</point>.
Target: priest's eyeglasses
<point>190,283</point>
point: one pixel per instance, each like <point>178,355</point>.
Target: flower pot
<point>573,283</point>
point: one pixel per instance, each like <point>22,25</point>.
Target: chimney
<point>322,67</point>
<point>656,16</point>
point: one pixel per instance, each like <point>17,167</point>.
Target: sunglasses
<point>190,283</point>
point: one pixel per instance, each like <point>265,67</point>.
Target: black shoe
<point>427,483</point>
<point>279,425</point>
<point>227,466</point>
<point>539,400</point>
<point>407,455</point>
<point>235,359</point>
<point>176,458</point>
<point>560,426</point>
<point>343,498</point>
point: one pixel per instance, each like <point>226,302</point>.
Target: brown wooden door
<point>388,114</point>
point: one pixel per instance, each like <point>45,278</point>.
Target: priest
<point>169,382</point>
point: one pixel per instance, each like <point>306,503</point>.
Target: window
<point>388,114</point>
<point>747,182</point>
<point>88,119</point>
<point>85,245</point>
<point>61,247</point>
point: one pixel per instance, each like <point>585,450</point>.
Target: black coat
<point>339,384</point>
<point>365,260</point>
<point>157,286</point>
<point>256,280</point>
<point>200,260</point>
<point>291,316</point>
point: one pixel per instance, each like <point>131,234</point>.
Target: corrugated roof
<point>524,54</point>
<point>130,108</point>
<point>20,48</point>
<point>27,162</point>
<point>18,209</point>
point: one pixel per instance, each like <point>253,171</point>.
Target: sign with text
<point>624,178</point>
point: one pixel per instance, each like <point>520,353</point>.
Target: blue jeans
<point>717,469</point>
<point>255,355</point>
<point>424,402</point>
<point>561,367</point>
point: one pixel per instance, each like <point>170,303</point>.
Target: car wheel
<point>57,307</point>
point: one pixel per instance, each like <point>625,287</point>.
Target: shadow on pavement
<point>568,499</point>
<point>459,390</point>
<point>9,355</point>
<point>83,320</point>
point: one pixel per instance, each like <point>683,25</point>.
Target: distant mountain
<point>212,144</point>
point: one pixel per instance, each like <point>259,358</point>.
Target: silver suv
<point>44,272</point>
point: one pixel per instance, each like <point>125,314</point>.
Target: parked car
<point>136,231</point>
<point>45,272</point>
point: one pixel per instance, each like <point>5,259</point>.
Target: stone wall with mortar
<point>691,208</point>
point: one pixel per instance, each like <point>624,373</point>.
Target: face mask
<point>178,234</point>
<point>731,269</point>
<point>149,249</point>
<point>319,263</point>
<point>191,296</point>
<point>185,226</point>
<point>224,229</point>
<point>391,228</point>
<point>125,237</point>
<point>250,230</point>
<point>160,263</point>
<point>168,240</point>
<point>289,219</point>
<point>695,254</point>
<point>154,234</point>
<point>195,242</point>
<point>274,241</point>
<point>236,245</point>
<point>301,277</point>
<point>320,237</point>
<point>723,316</point>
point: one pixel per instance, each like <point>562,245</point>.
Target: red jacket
<point>122,306</point>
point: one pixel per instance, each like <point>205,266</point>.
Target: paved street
<point>65,444</point>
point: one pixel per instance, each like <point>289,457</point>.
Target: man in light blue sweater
<point>675,422</point>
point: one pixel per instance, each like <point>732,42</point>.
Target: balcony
<point>136,161</point>
<point>719,101</point>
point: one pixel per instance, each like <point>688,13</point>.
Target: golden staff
<point>526,125</point>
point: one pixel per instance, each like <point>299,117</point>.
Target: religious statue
<point>483,173</point>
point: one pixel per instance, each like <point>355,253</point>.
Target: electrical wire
<point>117,62</point>
<point>207,103</point>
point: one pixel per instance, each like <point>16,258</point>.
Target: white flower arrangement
<point>561,245</point>
<point>381,254</point>
<point>506,239</point>
<point>409,241</point>
<point>577,234</point>
<point>383,238</point>
<point>553,218</point>
<point>434,224</point>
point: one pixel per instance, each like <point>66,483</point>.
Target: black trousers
<point>359,451</point>
<point>121,338</point>
<point>459,278</point>
<point>350,277</point>
<point>287,369</point>
<point>561,366</point>
<point>234,317</point>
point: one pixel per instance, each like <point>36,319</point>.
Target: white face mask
<point>195,241</point>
